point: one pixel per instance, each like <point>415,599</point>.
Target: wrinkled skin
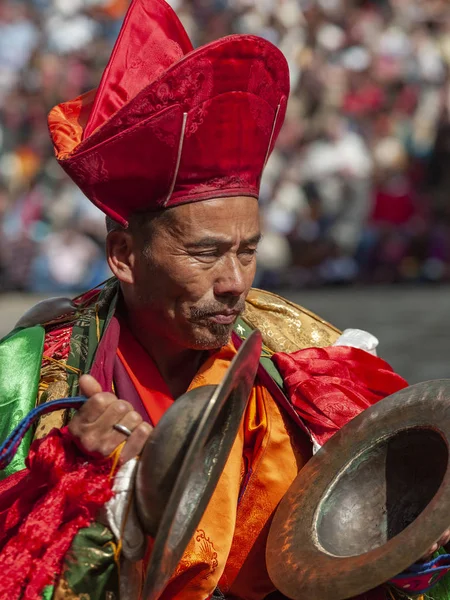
<point>93,424</point>
<point>200,261</point>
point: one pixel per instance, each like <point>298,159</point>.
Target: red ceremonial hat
<point>169,124</point>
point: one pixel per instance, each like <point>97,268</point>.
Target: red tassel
<point>41,510</point>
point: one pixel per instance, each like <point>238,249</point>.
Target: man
<point>171,147</point>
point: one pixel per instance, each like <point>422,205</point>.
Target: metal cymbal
<point>183,459</point>
<point>370,502</point>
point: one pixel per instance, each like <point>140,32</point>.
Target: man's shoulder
<point>41,342</point>
<point>58,311</point>
<point>284,325</point>
<point>48,324</point>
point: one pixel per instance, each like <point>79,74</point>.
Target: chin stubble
<point>220,332</point>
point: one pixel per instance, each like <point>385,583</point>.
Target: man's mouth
<point>221,316</point>
<point>224,318</point>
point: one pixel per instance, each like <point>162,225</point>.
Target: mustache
<point>199,313</point>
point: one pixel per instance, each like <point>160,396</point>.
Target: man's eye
<point>250,251</point>
<point>208,254</point>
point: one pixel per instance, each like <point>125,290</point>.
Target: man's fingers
<point>95,407</point>
<point>89,386</point>
<point>131,421</point>
<point>136,442</point>
<point>113,413</point>
<point>93,424</point>
<point>442,541</point>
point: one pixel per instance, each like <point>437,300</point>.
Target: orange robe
<point>228,548</point>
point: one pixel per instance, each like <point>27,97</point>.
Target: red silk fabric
<point>41,510</point>
<point>330,386</point>
<point>151,39</point>
<point>170,125</point>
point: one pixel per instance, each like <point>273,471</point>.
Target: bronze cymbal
<point>370,502</point>
<point>183,459</point>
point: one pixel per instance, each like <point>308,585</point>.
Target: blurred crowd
<point>357,189</point>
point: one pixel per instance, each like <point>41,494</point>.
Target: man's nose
<point>231,280</point>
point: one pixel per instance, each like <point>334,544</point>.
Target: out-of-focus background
<point>356,193</point>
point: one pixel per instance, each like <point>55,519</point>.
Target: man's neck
<point>177,365</point>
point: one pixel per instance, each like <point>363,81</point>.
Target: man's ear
<point>121,255</point>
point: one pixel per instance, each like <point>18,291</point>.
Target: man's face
<point>191,281</point>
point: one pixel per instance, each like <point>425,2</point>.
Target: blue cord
<point>9,447</point>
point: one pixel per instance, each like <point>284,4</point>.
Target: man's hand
<point>442,541</point>
<point>93,424</point>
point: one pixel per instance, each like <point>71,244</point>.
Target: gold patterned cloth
<point>285,326</point>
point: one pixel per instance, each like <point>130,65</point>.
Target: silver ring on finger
<point>122,429</point>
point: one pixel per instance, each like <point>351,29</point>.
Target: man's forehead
<point>207,241</point>
<point>219,218</point>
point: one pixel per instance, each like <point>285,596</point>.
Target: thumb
<point>89,386</point>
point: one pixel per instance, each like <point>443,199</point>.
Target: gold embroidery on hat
<point>271,135</point>
<point>180,150</point>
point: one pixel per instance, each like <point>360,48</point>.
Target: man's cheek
<point>193,286</point>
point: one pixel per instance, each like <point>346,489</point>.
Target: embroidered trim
<point>180,150</point>
<point>86,297</point>
<point>207,551</point>
<point>62,364</point>
<point>272,134</point>
<point>97,323</point>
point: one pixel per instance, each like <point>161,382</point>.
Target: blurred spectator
<point>356,190</point>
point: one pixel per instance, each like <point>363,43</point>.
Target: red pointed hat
<point>169,124</point>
